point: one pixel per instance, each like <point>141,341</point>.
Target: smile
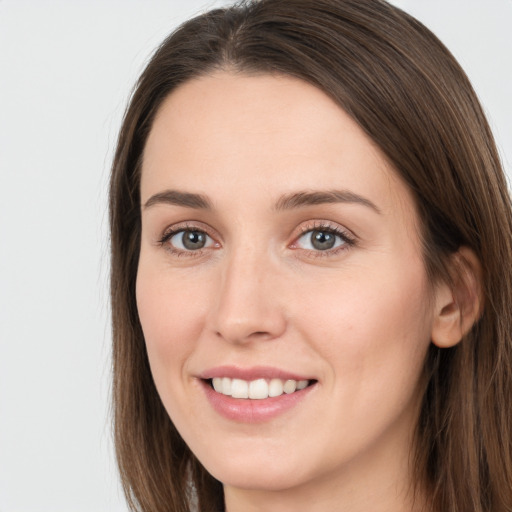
<point>256,394</point>
<point>258,389</point>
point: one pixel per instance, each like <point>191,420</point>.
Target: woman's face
<point>279,248</point>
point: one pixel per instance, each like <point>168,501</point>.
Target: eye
<point>323,239</point>
<point>188,240</point>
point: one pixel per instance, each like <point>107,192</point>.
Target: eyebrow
<point>175,197</point>
<point>286,202</point>
<point>302,199</point>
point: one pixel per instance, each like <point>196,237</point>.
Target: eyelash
<point>346,237</point>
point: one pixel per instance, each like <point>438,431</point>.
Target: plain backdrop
<point>66,71</point>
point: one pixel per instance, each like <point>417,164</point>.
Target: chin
<point>258,479</point>
<point>244,472</point>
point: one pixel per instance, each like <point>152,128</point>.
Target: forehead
<point>238,135</point>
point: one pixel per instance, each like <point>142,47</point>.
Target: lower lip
<point>253,411</point>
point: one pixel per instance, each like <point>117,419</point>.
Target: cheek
<point>374,327</point>
<point>170,312</point>
<point>374,332</point>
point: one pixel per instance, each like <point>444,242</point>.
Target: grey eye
<point>320,240</point>
<point>190,240</point>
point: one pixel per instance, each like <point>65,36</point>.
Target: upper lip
<point>252,373</point>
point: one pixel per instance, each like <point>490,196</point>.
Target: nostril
<point>244,337</point>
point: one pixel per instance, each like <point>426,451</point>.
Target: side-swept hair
<point>409,95</point>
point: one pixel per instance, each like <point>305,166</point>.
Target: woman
<point>311,270</point>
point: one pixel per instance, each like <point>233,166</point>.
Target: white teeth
<point>275,387</point>
<point>290,386</point>
<point>258,389</point>
<point>302,384</point>
<point>239,388</point>
<point>226,386</point>
<point>217,384</point>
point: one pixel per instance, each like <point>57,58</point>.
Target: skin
<point>358,318</point>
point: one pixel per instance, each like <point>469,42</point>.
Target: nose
<point>249,305</point>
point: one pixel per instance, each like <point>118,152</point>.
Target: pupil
<point>193,240</point>
<point>322,240</point>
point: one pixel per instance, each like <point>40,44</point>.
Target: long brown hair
<point>407,92</point>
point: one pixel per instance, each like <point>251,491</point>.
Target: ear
<point>459,304</point>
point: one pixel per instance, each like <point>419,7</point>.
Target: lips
<point>255,394</point>
<point>252,373</point>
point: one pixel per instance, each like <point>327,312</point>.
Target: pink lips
<point>256,372</point>
<point>252,411</point>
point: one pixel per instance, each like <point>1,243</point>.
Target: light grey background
<point>66,71</point>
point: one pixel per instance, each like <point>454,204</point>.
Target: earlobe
<point>459,304</point>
